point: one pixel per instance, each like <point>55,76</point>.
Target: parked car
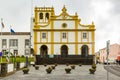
<point>109,62</point>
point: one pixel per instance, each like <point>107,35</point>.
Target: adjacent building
<point>114,52</point>
<point>17,43</point>
<point>62,35</point>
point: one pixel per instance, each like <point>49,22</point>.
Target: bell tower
<point>43,14</point>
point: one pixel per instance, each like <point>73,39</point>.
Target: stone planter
<point>80,64</point>
<point>73,67</point>
<point>67,70</point>
<point>45,65</point>
<point>25,70</point>
<point>56,64</point>
<point>37,67</point>
<point>53,67</point>
<point>6,69</point>
<point>67,64</point>
<point>49,70</point>
<point>33,65</point>
<point>92,71</point>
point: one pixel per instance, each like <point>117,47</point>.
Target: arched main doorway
<point>84,51</point>
<point>64,51</point>
<point>43,51</point>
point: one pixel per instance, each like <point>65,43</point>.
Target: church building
<point>62,38</point>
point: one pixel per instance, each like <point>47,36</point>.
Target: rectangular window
<point>64,35</point>
<point>4,43</point>
<point>13,42</point>
<point>27,42</point>
<point>84,35</point>
<point>43,35</point>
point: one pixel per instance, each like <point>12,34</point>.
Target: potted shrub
<point>36,67</point>
<point>33,65</point>
<point>92,71</point>
<point>73,67</point>
<point>67,70</point>
<point>67,64</point>
<point>53,67</point>
<point>94,66</point>
<point>55,64</point>
<point>45,64</point>
<point>80,64</point>
<point>25,70</point>
<point>49,70</point>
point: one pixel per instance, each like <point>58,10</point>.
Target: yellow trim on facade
<point>76,37</point>
<point>35,45</point>
<point>52,37</point>
<point>93,45</point>
<point>36,29</point>
<point>42,27</point>
<point>64,42</point>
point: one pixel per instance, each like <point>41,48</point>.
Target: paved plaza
<point>80,73</point>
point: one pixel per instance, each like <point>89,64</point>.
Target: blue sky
<point>104,13</point>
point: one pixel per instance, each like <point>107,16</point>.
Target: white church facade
<point>61,35</point>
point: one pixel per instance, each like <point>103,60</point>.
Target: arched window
<point>47,15</point>
<point>41,15</point>
<point>84,51</point>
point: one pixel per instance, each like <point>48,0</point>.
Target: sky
<point>104,13</point>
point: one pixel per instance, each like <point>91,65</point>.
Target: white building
<point>17,43</point>
<point>62,34</point>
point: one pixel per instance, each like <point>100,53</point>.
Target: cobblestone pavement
<point>80,73</point>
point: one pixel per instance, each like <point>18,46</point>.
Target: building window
<point>27,42</point>
<point>41,15</point>
<point>43,35</point>
<point>4,42</point>
<point>13,42</point>
<point>84,35</point>
<point>47,15</point>
<point>64,35</point>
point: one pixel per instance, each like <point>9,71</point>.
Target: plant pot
<point>33,65</point>
<point>37,67</point>
<point>45,65</point>
<point>80,64</point>
<point>67,64</point>
<point>67,70</point>
<point>94,67</point>
<point>55,64</point>
<point>49,70</point>
<point>92,71</point>
<point>73,67</point>
<point>25,70</point>
<point>53,67</point>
